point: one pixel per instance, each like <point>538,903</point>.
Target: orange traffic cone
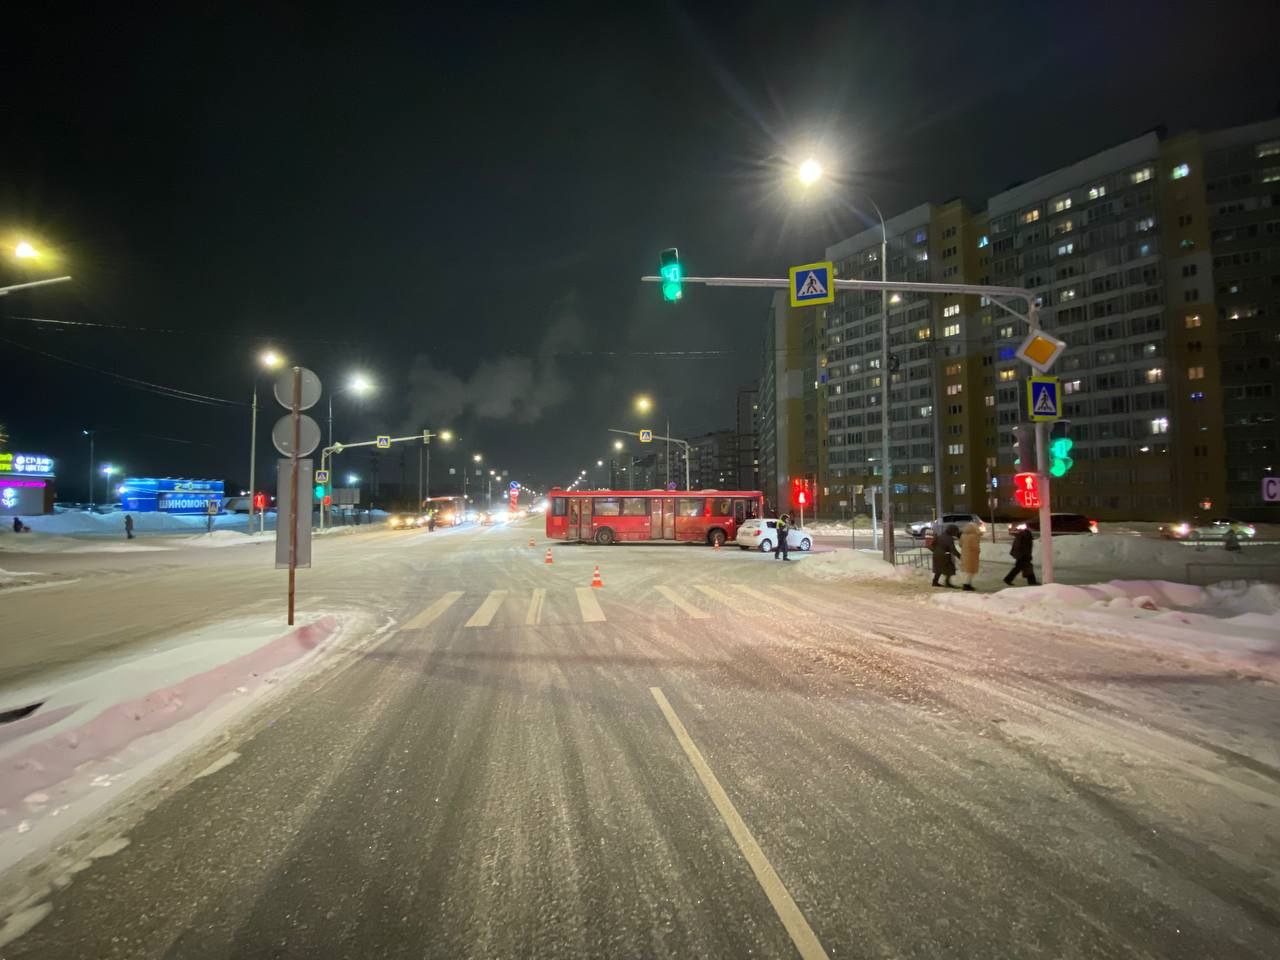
<point>531,541</point>
<point>548,558</point>
<point>715,545</point>
<point>595,578</point>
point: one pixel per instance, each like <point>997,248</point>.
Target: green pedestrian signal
<point>1060,454</point>
<point>319,491</point>
<point>672,274</point>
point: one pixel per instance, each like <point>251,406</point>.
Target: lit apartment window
<point>924,333</point>
<point>1192,321</point>
<point>1031,216</point>
<point>1007,375</point>
<point>1180,171</point>
<point>954,389</point>
<point>1071,386</point>
<point>1140,176</point>
<point>1195,373</point>
<point>1062,204</point>
<point>1154,375</point>
<point>951,311</point>
<point>951,330</point>
<point>895,298</point>
<point>1145,224</point>
<point>1096,192</point>
<point>983,241</point>
<point>953,369</point>
<point>926,411</point>
<point>989,399</point>
<point>873,381</point>
<point>1271,149</point>
<point>1197,395</point>
<point>1066,249</point>
<point>1271,174</point>
<point>1063,226</point>
<point>1160,425</point>
<point>1067,294</point>
<point>1005,332</point>
<point>955,449</point>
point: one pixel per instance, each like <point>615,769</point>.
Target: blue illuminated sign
<point>170,495</point>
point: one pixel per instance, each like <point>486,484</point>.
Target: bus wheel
<point>717,538</point>
<point>604,536</point>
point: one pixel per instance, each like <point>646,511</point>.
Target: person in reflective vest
<point>784,527</point>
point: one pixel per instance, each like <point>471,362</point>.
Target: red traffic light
<point>328,500</point>
<point>259,501</point>
<point>801,492</point>
<point>1026,489</point>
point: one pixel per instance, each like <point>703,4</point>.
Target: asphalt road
<point>712,756</point>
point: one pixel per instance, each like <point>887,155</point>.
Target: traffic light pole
<point>1046,511</point>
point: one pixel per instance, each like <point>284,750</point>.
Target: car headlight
<point>1182,528</point>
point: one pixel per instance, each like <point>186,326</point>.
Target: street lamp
<point>644,404</point>
<point>424,493</point>
<point>618,445</point>
<point>25,251</point>
<point>358,384</point>
<point>810,172</point>
<point>268,359</point>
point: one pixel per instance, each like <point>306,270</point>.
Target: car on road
<point>405,521</point>
<point>763,534</point>
<point>921,527</point>
<point>1059,523</point>
<point>1213,529</point>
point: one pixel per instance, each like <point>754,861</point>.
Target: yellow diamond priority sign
<point>1040,350</point>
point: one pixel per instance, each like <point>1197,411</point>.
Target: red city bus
<point>689,516</point>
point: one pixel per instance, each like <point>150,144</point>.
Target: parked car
<point>921,527</point>
<point>1059,523</point>
<point>763,534</point>
<point>1213,529</point>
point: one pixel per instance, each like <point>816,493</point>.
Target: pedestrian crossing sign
<point>1044,398</point>
<point>384,443</point>
<point>646,436</point>
<point>812,283</point>
<point>322,476</point>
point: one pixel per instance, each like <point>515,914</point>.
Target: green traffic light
<point>319,491</point>
<point>672,274</point>
<point>1060,451</point>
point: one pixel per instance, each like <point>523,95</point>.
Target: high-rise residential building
<point>748,427</point>
<point>788,400</point>
<point>713,463</point>
<point>1157,261</point>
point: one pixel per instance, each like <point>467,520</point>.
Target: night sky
<point>460,201</point>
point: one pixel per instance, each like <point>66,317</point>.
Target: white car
<point>763,534</point>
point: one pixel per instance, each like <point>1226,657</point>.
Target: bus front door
<point>580,507</point>
<point>668,518</point>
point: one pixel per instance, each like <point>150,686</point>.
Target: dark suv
<point>921,527</point>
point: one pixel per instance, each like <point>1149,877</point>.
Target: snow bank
<point>1234,624</point>
<point>850,565</point>
<point>228,538</point>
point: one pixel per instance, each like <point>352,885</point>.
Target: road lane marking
<point>802,934</point>
<point>591,612</point>
<point>433,611</point>
<point>715,594</point>
<point>766,598</point>
<point>684,605</point>
<point>492,604</point>
<point>225,760</point>
<point>534,616</point>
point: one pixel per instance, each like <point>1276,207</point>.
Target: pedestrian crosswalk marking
<point>590,607</point>
<point>765,598</point>
<point>684,605</point>
<point>715,594</point>
<point>492,604</point>
<point>534,616</point>
<point>433,611</point>
<point>812,286</point>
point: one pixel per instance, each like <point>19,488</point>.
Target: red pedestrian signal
<point>259,501</point>
<point>328,500</point>
<point>801,492</point>
<point>1026,489</point>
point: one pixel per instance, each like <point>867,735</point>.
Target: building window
<point>1097,192</point>
<point>951,330</point>
<point>1180,171</point>
<point>1192,295</point>
<point>1154,375</point>
<point>1071,386</point>
<point>1189,270</point>
<point>1145,224</point>
<point>1195,373</point>
<point>1271,174</point>
<point>954,389</point>
<point>983,241</point>
<point>1031,216</point>
<point>921,236</point>
<point>1271,149</point>
<point>1067,294</point>
<point>1066,249</point>
<point>1005,332</point>
<point>927,410</point>
<point>1187,244</point>
<point>1192,320</point>
<point>1140,176</point>
<point>1007,375</point>
<point>1063,203</point>
<point>953,370</point>
<point>1160,425</point>
<point>1197,395</point>
<point>952,310</point>
<point>955,449</point>
<point>990,399</point>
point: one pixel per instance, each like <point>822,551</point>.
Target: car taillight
<point>1093,526</point>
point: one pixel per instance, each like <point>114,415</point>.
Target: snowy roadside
<point>94,735</point>
<point>1233,625</point>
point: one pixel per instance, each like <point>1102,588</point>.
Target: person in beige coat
<point>970,554</point>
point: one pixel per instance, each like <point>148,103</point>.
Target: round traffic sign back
<point>309,395</point>
<point>308,435</point>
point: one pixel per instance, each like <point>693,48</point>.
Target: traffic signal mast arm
<point>1032,316</point>
<point>683,443</point>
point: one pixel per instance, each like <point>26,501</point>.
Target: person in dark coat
<point>1020,550</point>
<point>784,526</point>
<point>128,526</point>
<point>945,554</point>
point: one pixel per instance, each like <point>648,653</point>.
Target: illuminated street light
<point>352,479</point>
<point>271,359</point>
<point>810,172</point>
<point>643,403</point>
<point>477,457</point>
<point>618,444</point>
<point>446,436</point>
<point>25,251</point>
<point>359,383</point>
<point>599,463</point>
<point>108,470</point>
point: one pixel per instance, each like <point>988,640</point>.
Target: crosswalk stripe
<point>766,598</point>
<point>684,605</point>
<point>794,594</point>
<point>492,604</point>
<point>715,594</point>
<point>534,616</point>
<point>591,612</point>
<point>433,611</point>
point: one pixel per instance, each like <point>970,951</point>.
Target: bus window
<point>752,507</point>
<point>721,507</point>
<point>559,506</point>
<point>690,507</point>
<point>739,510</point>
<point>635,506</point>
<point>607,506</point>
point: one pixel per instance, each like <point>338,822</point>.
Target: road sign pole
<point>293,501</point>
<point>1046,511</point>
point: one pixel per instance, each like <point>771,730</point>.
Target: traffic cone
<point>548,557</point>
<point>716,544</point>
<point>595,578</point>
<point>531,541</point>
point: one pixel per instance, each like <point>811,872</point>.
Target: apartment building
<point>748,427</point>
<point>713,461</point>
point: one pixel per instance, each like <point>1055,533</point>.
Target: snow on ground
<point>850,564</point>
<point>1234,624</point>
<point>98,732</point>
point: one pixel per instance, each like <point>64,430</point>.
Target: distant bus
<point>612,516</point>
<point>448,511</point>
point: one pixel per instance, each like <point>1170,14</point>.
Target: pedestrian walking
<point>784,527</point>
<point>1020,550</point>
<point>970,555</point>
<point>128,526</point>
<point>1231,542</point>
<point>944,555</point>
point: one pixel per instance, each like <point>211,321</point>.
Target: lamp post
<point>270,360</point>
<point>427,435</point>
<point>89,434</point>
<point>644,404</point>
<point>359,384</point>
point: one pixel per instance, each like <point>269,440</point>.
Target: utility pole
<point>1046,509</point>
<point>253,453</point>
<point>886,466</point>
<point>89,434</point>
